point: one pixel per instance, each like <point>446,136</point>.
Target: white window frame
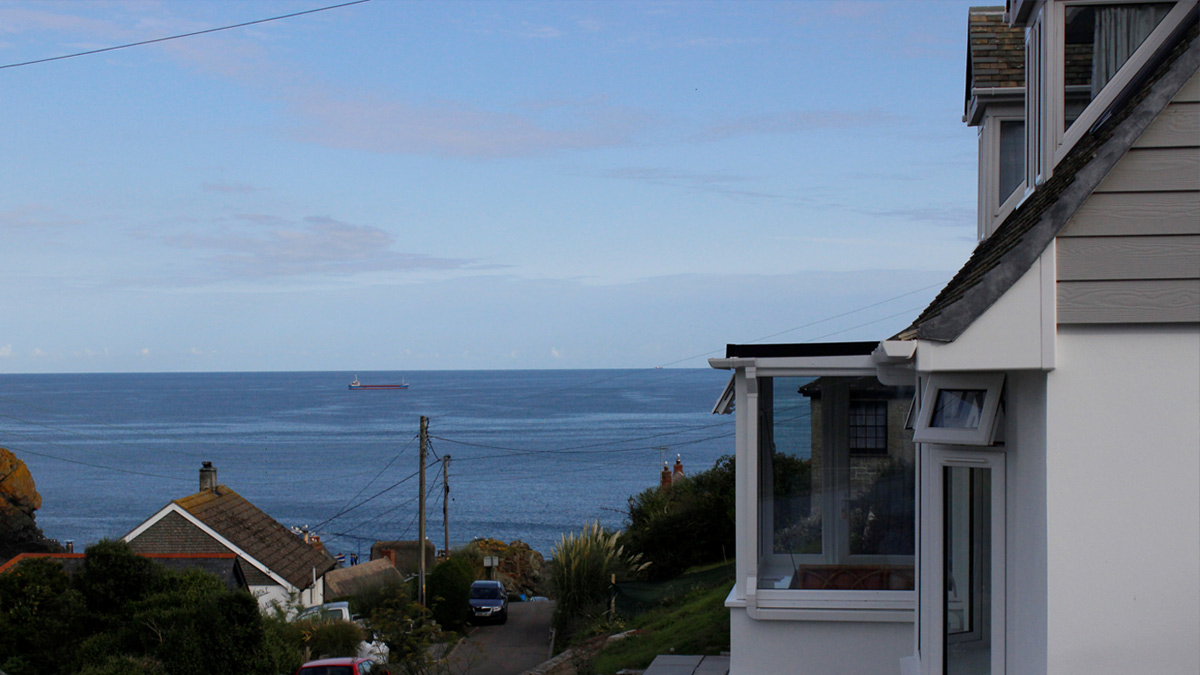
<point>795,604</point>
<point>992,208</point>
<point>991,383</point>
<point>931,582</point>
<point>1056,140</point>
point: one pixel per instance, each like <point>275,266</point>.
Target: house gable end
<point>198,537</point>
<point>1001,260</point>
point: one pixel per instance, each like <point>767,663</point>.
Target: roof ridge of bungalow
<point>999,261</point>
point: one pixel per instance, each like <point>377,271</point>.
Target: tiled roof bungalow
<point>278,564</point>
<point>1047,517</point>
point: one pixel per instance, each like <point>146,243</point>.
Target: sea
<point>527,455</point>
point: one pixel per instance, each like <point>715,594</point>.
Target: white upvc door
<point>962,586</point>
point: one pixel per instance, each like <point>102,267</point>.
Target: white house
<point>1036,508</point>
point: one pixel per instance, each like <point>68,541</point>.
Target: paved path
<point>508,649</point>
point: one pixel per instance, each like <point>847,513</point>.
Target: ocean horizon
<point>534,454</point>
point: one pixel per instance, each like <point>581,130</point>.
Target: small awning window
<point>959,409</point>
<point>724,404</point>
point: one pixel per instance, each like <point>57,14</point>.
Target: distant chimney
<point>665,481</point>
<point>677,472</point>
<point>208,477</point>
<point>70,546</point>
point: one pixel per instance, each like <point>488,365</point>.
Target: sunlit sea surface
<point>534,454</point>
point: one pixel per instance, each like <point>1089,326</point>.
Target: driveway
<point>508,649</point>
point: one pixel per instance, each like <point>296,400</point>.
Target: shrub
<point>581,572</point>
<point>690,523</point>
<point>449,592</point>
<point>326,639</point>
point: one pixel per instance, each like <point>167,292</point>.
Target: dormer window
<point>1098,40</point>
<point>1079,56</point>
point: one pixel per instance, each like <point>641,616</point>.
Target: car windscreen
<point>486,594</point>
<point>327,670</point>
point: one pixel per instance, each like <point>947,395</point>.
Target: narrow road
<point>508,649</point>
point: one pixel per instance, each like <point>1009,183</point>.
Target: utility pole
<point>421,514</point>
<point>446,500</point>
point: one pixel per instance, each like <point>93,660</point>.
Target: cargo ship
<point>359,385</point>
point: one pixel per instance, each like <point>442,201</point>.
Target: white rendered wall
<point>270,597</point>
<point>1123,501</point>
<point>816,647</point>
<point>1025,521</point>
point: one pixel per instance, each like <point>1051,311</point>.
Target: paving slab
<point>676,664</point>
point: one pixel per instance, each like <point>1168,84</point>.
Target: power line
<point>385,468</point>
<point>98,466</point>
<point>373,497</point>
<point>183,35</point>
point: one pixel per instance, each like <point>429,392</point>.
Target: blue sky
<point>426,185</point>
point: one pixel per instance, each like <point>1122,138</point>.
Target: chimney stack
<point>677,473</point>
<point>208,477</point>
<point>665,480</point>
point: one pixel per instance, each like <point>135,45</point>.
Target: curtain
<point>1119,31</point>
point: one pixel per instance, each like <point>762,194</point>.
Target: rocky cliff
<point>19,498</point>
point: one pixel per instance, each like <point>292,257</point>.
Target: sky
<point>473,185</point>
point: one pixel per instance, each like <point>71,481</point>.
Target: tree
<point>450,592</point>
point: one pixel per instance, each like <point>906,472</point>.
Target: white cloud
<point>555,353</point>
<point>145,351</point>
<point>37,353</point>
<point>6,351</point>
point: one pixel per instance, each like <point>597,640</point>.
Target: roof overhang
<point>817,359</point>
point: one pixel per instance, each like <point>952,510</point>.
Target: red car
<point>343,666</point>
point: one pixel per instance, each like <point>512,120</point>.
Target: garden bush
<point>687,524</point>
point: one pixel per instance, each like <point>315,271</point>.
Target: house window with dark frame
<point>868,427</point>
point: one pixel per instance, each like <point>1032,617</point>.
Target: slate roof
<point>1000,260</point>
<point>995,51</point>
<point>347,581</point>
<point>259,535</point>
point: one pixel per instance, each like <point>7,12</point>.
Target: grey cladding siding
<point>1131,253</point>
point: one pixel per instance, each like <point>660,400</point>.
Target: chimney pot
<point>208,477</point>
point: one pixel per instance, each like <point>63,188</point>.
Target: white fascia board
<point>175,508</point>
<point>894,351</point>
<point>1012,334</point>
<point>988,98</point>
<point>800,366</point>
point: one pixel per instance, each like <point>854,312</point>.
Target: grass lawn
<point>691,620</point>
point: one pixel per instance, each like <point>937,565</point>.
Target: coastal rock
<point>19,498</point>
<point>16,484</point>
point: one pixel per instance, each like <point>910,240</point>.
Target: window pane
<point>882,510</point>
<point>958,408</point>
<point>836,485</point>
<point>1099,40</point>
<point>791,486</point>
<point>1012,156</point>
<point>966,568</point>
